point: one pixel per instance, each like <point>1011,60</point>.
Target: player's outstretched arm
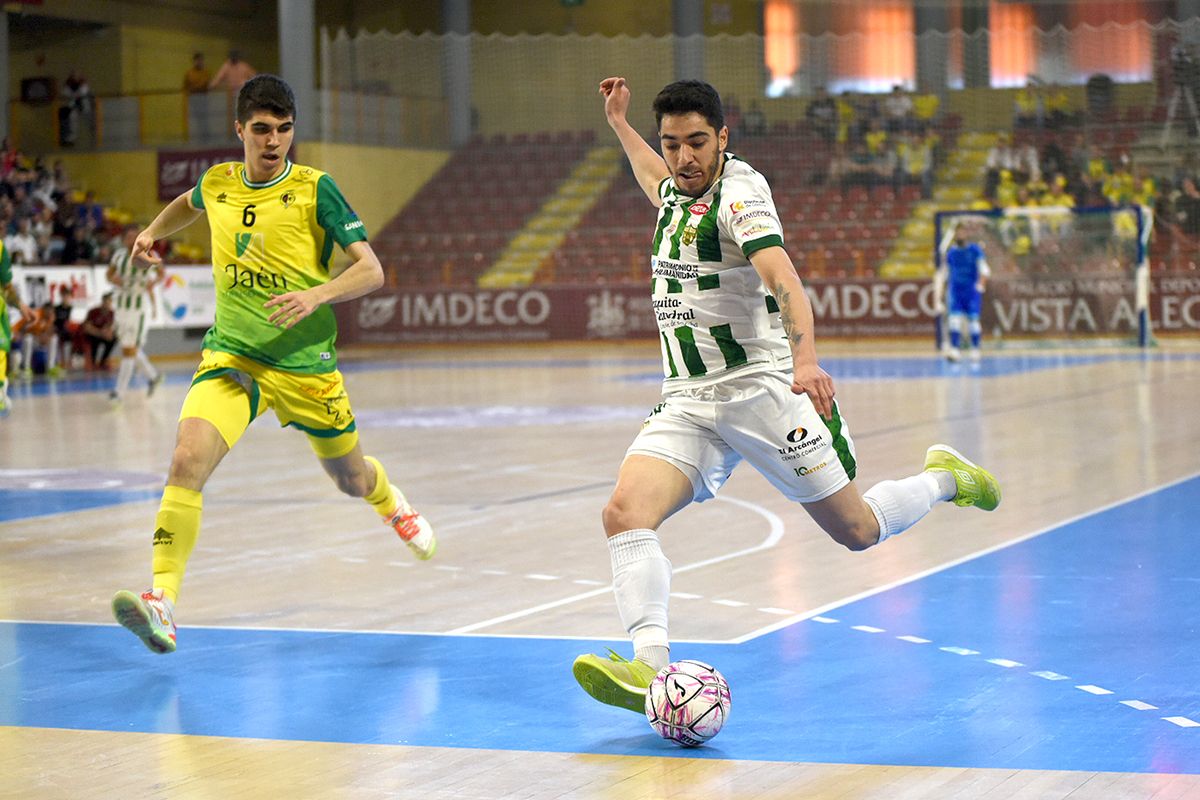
<point>363,276</point>
<point>648,166</point>
<point>779,276</point>
<point>177,215</point>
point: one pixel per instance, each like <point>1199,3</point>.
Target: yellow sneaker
<point>614,680</point>
<point>976,486</point>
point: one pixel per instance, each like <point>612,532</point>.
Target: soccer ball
<point>687,702</point>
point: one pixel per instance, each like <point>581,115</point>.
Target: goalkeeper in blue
<point>964,274</point>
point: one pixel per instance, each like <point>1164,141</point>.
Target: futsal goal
<point>1059,275</point>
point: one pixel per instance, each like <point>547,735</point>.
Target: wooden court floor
<point>511,454</point>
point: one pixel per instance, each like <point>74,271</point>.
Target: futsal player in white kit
<point>133,286</point>
<point>741,381</point>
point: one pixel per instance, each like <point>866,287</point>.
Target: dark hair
<point>268,93</point>
<point>683,97</point>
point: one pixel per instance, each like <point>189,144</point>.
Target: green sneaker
<point>614,680</point>
<point>976,486</point>
<point>148,617</point>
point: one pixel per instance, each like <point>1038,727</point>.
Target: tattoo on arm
<point>783,297</point>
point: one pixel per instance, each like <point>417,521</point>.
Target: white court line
<point>776,533</point>
<point>845,601</point>
<point>1137,704</point>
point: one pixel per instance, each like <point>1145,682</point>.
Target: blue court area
<point>1072,650</point>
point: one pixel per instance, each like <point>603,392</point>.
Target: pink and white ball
<point>688,702</point>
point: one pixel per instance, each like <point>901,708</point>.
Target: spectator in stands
<point>1118,187</point>
<point>1026,167</point>
<point>233,73</point>
<point>860,168</point>
<point>39,334</point>
<point>1056,196</point>
<point>8,158</point>
<point>22,244</point>
<point>876,138</point>
<point>44,191</point>
<point>925,108</point>
<point>1187,209</point>
<point>197,77</point>
<point>1058,107</point>
<point>898,109</point>
<point>822,115</point>
<point>65,328</point>
<point>1000,158</point>
<point>1054,159</point>
<point>847,119</point>
<point>80,246</point>
<point>75,110</point>
<point>43,223</point>
<point>1029,110</point>
<point>915,156</point>
<point>1005,194</point>
<point>100,332</point>
<point>89,212</point>
<point>22,203</point>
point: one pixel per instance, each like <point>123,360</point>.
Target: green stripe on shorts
<point>840,445</point>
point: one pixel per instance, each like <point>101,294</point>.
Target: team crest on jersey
<point>221,197</point>
<point>287,198</point>
<point>250,246</point>
<point>689,234</point>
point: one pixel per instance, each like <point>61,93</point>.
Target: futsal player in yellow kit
<point>8,295</point>
<point>274,225</point>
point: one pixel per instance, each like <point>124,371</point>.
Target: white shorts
<point>705,432</point>
<point>131,327</point>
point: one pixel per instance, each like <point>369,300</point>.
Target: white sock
<point>147,369</point>
<point>642,585</point>
<point>898,505</point>
<point>124,373</point>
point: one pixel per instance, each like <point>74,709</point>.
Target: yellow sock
<point>176,528</point>
<point>381,498</point>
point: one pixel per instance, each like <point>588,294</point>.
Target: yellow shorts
<point>231,391</point>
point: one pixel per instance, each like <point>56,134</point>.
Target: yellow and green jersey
<point>268,239</point>
<point>6,278</point>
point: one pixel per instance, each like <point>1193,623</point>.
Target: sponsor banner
<point>526,314</point>
<point>178,170</point>
<point>1036,307</point>
<point>185,299</point>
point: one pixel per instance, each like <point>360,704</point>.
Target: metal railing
<point>155,119</point>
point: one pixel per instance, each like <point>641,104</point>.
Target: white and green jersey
<point>714,315</point>
<point>135,278</point>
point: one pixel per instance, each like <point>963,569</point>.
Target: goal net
<point>1059,275</point>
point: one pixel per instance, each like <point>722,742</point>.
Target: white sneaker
<point>953,355</point>
<point>976,355</point>
<point>410,526</point>
<point>148,617</point>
